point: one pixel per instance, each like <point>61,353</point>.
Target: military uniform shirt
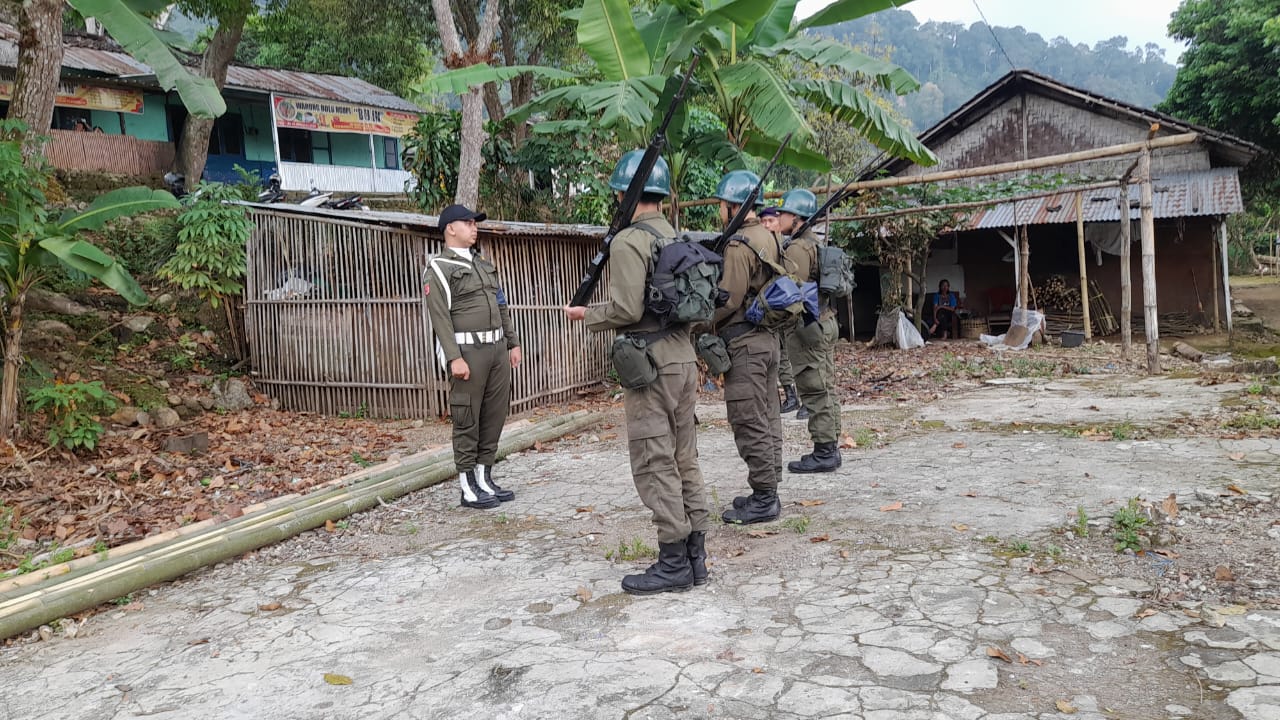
<point>744,274</point>
<point>464,296</point>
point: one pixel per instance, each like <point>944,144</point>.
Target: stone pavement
<point>851,612</point>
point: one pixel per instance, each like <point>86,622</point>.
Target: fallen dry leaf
<point>757,670</point>
<point>958,445</point>
<point>1038,570</point>
<point>996,652</point>
<point>810,503</point>
<point>971,493</point>
<point>1038,663</point>
<point>1166,553</point>
<point>269,607</point>
<point>1237,489</point>
<point>1022,659</point>
<point>586,509</point>
<point>1170,506</point>
<point>761,533</point>
<point>960,527</point>
<point>844,554</point>
<point>728,654</point>
<point>1222,573</point>
<point>329,526</point>
<point>335,679</point>
<point>848,442</point>
<point>1066,707</point>
<point>1236,456</point>
<point>583,594</point>
<point>819,538</point>
<point>1144,613</point>
<point>891,507</point>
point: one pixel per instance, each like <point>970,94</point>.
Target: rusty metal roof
<point>1205,192</point>
<point>96,57</point>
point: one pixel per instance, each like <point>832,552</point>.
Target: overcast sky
<point>1080,21</point>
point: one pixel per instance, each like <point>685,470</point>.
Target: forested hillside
<point>953,62</point>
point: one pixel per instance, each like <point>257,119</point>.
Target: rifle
<point>719,244</point>
<point>836,198</point>
<point>627,208</point>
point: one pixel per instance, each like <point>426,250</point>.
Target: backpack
<point>835,272</point>
<point>684,286</point>
<point>779,300</point>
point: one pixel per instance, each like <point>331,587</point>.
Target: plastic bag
<point>908,337</point>
<point>1023,325</point>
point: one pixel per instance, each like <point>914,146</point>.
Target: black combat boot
<point>803,413</point>
<point>762,506</point>
<point>696,545</point>
<point>473,496</point>
<point>486,481</point>
<point>792,401</point>
<point>672,572</point>
<point>824,458</point>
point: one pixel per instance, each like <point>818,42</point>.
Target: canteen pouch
<point>714,353</point>
<point>633,362</point>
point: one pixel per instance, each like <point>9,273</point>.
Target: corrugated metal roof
<point>1207,192</point>
<point>427,223</point>
<point>89,56</point>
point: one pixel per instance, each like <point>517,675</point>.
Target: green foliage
<point>431,156</point>
<point>10,526</point>
<point>1082,522</point>
<point>1128,521</point>
<point>1254,421</point>
<point>636,549</point>
<point>141,244</point>
<point>383,45</point>
<point>71,408</point>
<point>797,524</point>
<point>954,61</point>
<point>1018,547</point>
<point>210,257</point>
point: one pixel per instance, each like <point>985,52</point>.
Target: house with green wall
<point>327,132</point>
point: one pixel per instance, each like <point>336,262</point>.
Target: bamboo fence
<point>99,152</point>
<point>336,320</point>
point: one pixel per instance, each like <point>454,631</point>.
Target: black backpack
<point>684,286</point>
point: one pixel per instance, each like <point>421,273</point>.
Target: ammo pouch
<point>633,362</point>
<point>809,333</point>
<point>713,351</point>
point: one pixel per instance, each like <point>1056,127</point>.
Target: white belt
<point>483,337</point>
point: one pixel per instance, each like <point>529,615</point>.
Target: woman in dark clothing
<point>946,321</point>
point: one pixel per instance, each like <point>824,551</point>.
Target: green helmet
<point>658,182</point>
<point>737,185</point>
<point>800,203</point>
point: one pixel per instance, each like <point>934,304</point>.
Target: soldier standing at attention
<point>812,342</point>
<point>750,385</point>
<point>661,430</point>
<point>476,340</point>
<point>786,377</point>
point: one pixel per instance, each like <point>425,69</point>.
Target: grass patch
<point>635,549</point>
<point>797,524</point>
<point>1254,421</point>
<point>1129,520</point>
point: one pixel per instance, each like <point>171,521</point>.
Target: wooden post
<point>1149,306</point>
<point>1213,255</point>
<point>1084,268</point>
<point>1226,274</point>
<point>1024,279</point>
<point>1126,283</point>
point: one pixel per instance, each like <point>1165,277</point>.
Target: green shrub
<point>210,254</point>
<point>70,408</point>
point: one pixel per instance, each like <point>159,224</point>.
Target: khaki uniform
<point>661,432</point>
<point>470,320</point>
<point>750,386</point>
<point>812,349</point>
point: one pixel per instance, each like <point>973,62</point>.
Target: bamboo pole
<point>96,582</point>
<point>1228,311</point>
<point>985,170</point>
<point>1084,268</point>
<point>1024,278</point>
<point>1149,305</point>
<point>1126,280</point>
<point>1217,308</point>
<point>974,203</point>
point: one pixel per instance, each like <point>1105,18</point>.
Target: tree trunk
<point>470,158</point>
<point>12,365</point>
<point>193,151</point>
<point>39,69</point>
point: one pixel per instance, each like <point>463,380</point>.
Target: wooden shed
<point>1025,115</point>
<point>336,319</point>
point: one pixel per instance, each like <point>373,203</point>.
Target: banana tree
<point>32,243</point>
<point>747,43</point>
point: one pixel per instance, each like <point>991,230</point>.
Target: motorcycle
<point>273,193</point>
<point>315,198</point>
<point>351,202</point>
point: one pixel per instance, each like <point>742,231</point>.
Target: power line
<point>993,35</point>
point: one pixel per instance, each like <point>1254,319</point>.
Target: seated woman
<point>946,317</point>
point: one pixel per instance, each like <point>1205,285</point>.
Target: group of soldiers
<point>477,342</point>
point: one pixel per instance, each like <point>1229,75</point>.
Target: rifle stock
<point>735,223</point>
<point>631,198</point>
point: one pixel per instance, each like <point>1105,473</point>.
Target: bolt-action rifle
<point>627,208</point>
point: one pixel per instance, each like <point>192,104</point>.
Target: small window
<point>295,145</point>
<point>322,148</point>
<point>72,119</point>
<point>390,153</point>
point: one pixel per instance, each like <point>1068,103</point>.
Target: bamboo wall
<point>99,152</point>
<point>337,323</point>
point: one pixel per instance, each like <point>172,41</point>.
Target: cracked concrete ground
<point>852,612</point>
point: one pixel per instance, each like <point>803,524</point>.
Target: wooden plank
<point>1151,319</point>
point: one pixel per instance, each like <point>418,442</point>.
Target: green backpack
<point>835,271</point>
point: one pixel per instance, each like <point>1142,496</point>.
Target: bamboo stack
<point>1059,298</point>
<point>1174,324</point>
<point>29,601</point>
